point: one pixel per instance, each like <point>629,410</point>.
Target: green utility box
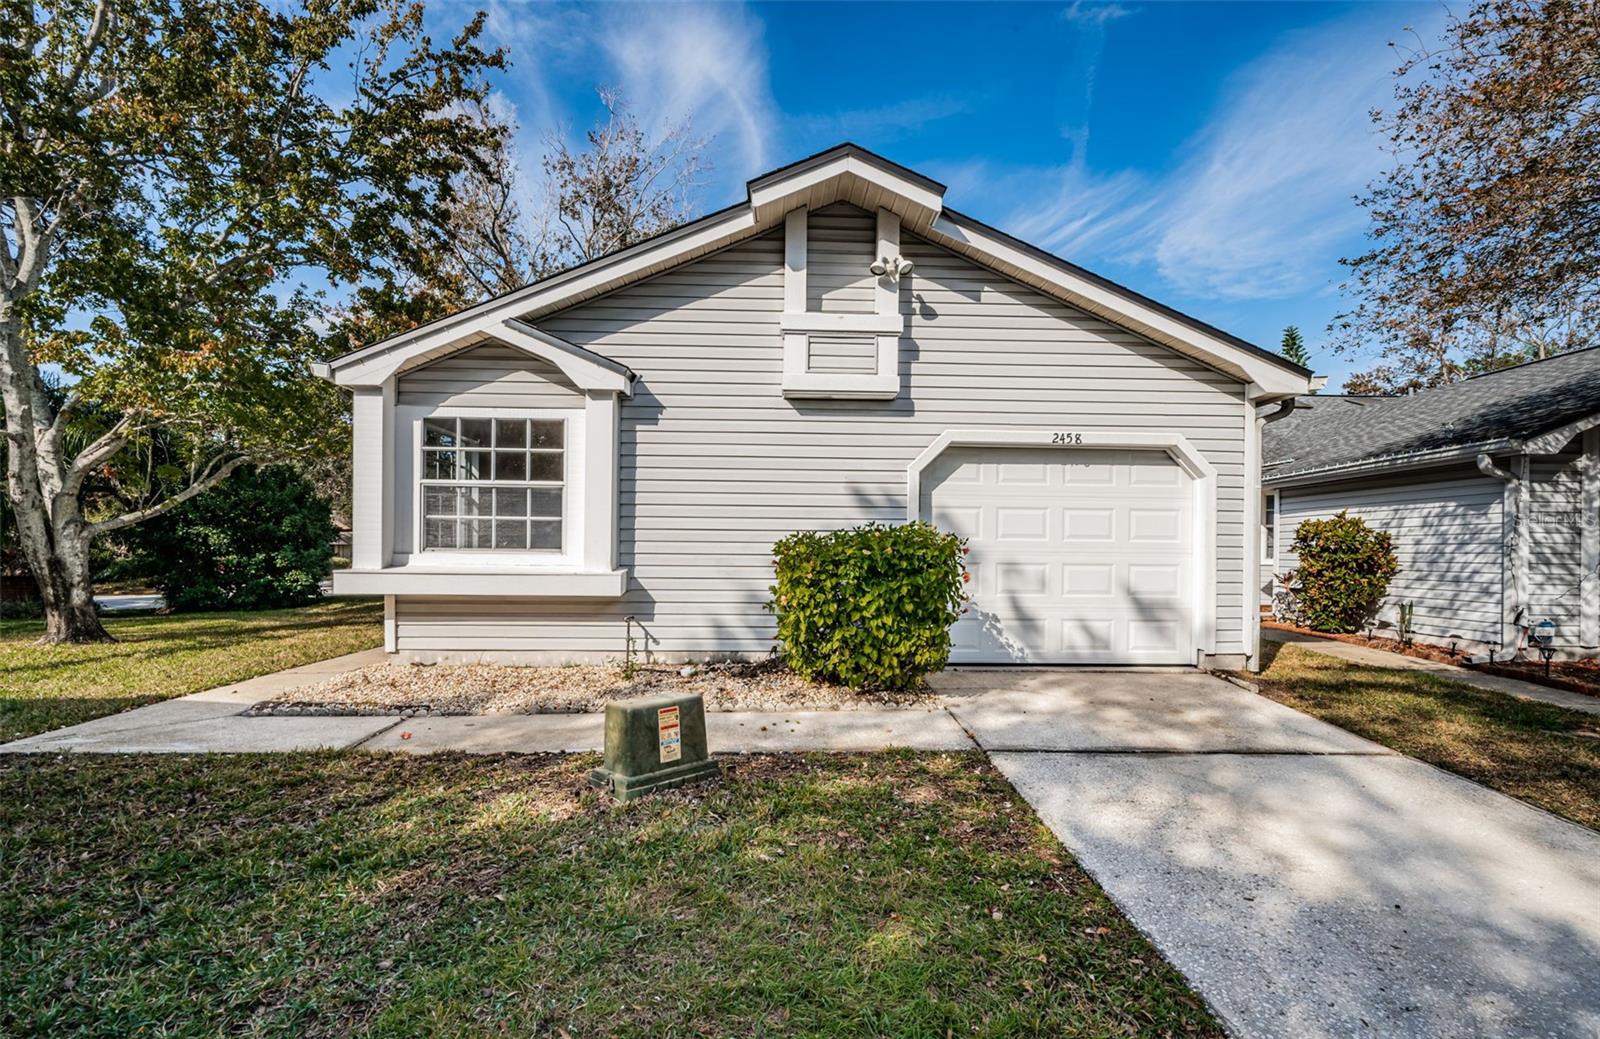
<point>653,743</point>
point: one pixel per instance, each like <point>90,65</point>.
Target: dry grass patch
<point>1544,755</point>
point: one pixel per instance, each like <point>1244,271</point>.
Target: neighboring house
<point>605,457</point>
<point>1490,487</point>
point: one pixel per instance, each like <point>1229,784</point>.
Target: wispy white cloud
<point>1262,197</point>
<point>706,65</point>
<point>885,122</point>
<point>1095,13</point>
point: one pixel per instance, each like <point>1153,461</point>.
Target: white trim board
<point>849,173</point>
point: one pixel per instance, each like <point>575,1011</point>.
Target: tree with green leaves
<point>175,175</point>
<point>1293,347</point>
<point>1485,233</point>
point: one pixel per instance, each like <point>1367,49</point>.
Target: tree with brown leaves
<point>1486,232</point>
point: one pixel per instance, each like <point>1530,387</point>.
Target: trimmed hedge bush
<point>257,541</point>
<point>1344,571</point>
<point>870,607</point>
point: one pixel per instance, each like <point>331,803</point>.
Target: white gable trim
<point>851,174</point>
<point>587,370</point>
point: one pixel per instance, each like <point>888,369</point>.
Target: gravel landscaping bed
<point>494,689</point>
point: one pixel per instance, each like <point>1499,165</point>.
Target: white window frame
<point>1269,536</point>
<point>572,495</point>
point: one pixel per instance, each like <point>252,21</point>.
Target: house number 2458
<point>1066,438</point>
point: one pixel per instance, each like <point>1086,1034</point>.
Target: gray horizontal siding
<point>840,242</point>
<point>490,377</point>
<point>1555,563</point>
<point>1447,537</point>
<point>716,465</point>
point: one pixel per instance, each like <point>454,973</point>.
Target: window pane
<point>510,502</point>
<point>510,432</point>
<point>474,465</point>
<point>474,501</point>
<point>548,433</point>
<point>545,534</point>
<point>510,533</point>
<point>439,465</point>
<point>439,533</point>
<point>510,465</point>
<point>546,502</point>
<point>476,533</point>
<point>438,501</point>
<point>439,432</point>
<point>544,466</point>
<point>475,432</point>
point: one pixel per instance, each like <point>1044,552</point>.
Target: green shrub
<point>871,607</point>
<point>257,541</point>
<point>1344,571</point>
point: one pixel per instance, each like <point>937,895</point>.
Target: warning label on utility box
<point>670,733</point>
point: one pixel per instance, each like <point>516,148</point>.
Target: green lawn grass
<point>356,894</point>
<point>1544,755</point>
<point>157,658</point>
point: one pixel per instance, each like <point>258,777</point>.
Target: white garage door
<point>1080,557</point>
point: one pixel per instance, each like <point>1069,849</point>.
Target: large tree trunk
<point>67,589</point>
<point>50,524</point>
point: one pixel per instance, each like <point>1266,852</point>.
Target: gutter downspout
<point>1515,549</point>
<point>1263,414</point>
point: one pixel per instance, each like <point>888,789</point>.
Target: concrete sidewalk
<point>212,722</point>
<point>1399,661</point>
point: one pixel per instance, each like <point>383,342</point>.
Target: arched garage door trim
<point>1202,475</point>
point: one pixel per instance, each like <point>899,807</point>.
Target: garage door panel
<point>1088,579</point>
<point>1089,524</point>
<point>1080,560</point>
<point>1157,526</point>
<point>1022,523</point>
<point>1026,579</point>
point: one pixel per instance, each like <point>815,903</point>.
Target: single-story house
<point>1489,486</point>
<point>602,459</point>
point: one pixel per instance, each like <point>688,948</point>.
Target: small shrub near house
<point>870,607</point>
<point>257,541</point>
<point>1344,572</point>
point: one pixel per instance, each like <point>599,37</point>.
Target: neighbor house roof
<point>851,174</point>
<point>1536,407</point>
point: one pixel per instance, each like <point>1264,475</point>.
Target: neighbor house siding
<point>716,465</point>
<point>1447,536</point>
<point>1555,557</point>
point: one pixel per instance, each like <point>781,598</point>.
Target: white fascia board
<point>503,584</point>
<point>555,291</point>
<point>788,185</point>
<point>1272,379</point>
<point>586,369</point>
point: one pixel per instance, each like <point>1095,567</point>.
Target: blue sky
<point>1204,154</point>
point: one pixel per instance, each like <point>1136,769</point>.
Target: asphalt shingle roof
<point>1324,431</point>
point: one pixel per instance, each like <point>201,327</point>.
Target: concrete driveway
<point>1308,882</point>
